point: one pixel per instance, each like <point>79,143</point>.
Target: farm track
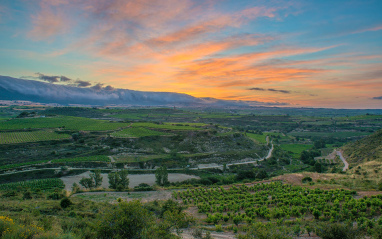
<point>346,167</point>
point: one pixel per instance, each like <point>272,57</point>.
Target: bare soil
<point>135,179</point>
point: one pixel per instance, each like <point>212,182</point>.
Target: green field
<point>17,165</point>
<point>136,132</point>
<point>344,134</point>
<point>296,149</point>
<point>261,138</point>
<point>170,126</point>
<point>140,158</point>
<point>43,184</point>
<point>33,136</point>
<point>95,158</point>
<point>66,122</point>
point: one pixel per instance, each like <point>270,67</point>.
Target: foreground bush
<point>338,230</point>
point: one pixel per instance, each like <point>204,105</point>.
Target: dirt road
<point>346,167</point>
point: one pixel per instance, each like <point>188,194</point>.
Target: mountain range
<point>42,92</point>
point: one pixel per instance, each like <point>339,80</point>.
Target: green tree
<point>118,179</point>
<point>97,178</point>
<point>318,167</point>
<point>161,176</point>
<point>87,183</point>
<point>127,220</point>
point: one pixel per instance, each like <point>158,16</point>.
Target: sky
<point>311,53</point>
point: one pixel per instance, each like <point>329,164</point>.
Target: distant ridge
<point>36,91</point>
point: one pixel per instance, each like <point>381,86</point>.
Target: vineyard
<point>277,201</point>
<point>136,132</point>
<point>43,184</point>
<point>66,122</point>
<point>34,136</point>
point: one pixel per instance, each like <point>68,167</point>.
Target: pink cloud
<point>370,29</point>
<point>48,23</point>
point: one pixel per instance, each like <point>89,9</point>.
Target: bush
<point>337,230</point>
<point>143,187</point>
<point>306,180</point>
<point>65,202</point>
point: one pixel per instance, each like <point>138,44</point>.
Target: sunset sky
<point>311,53</point>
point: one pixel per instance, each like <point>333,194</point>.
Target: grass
<point>66,122</point>
<point>261,138</point>
<point>139,158</point>
<point>136,132</point>
<point>42,184</point>
<point>168,126</point>
<point>111,197</point>
<point>345,134</point>
<point>296,149</point>
<point>33,136</point>
<point>94,158</point>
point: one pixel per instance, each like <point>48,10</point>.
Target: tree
<point>127,220</point>
<point>87,183</point>
<point>97,178</point>
<point>118,180</point>
<point>161,176</point>
<point>318,167</point>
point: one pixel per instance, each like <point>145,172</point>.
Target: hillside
<point>364,150</point>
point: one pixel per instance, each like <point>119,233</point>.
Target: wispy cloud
<point>49,22</point>
<point>270,89</point>
<point>369,29</point>
<point>377,98</point>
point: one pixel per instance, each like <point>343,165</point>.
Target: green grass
<point>140,158</point>
<point>112,197</point>
<point>317,123</point>
<point>330,134</point>
<point>18,165</point>
<point>136,132</point>
<point>43,184</point>
<point>33,136</point>
<point>67,122</point>
<point>296,149</point>
<point>134,116</point>
<point>261,138</point>
<point>94,158</point>
<point>168,126</point>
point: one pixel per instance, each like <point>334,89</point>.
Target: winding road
<point>346,167</point>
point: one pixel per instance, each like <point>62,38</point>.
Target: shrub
<point>306,180</point>
<point>65,202</point>
<point>337,230</point>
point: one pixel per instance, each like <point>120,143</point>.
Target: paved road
<point>346,167</point>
